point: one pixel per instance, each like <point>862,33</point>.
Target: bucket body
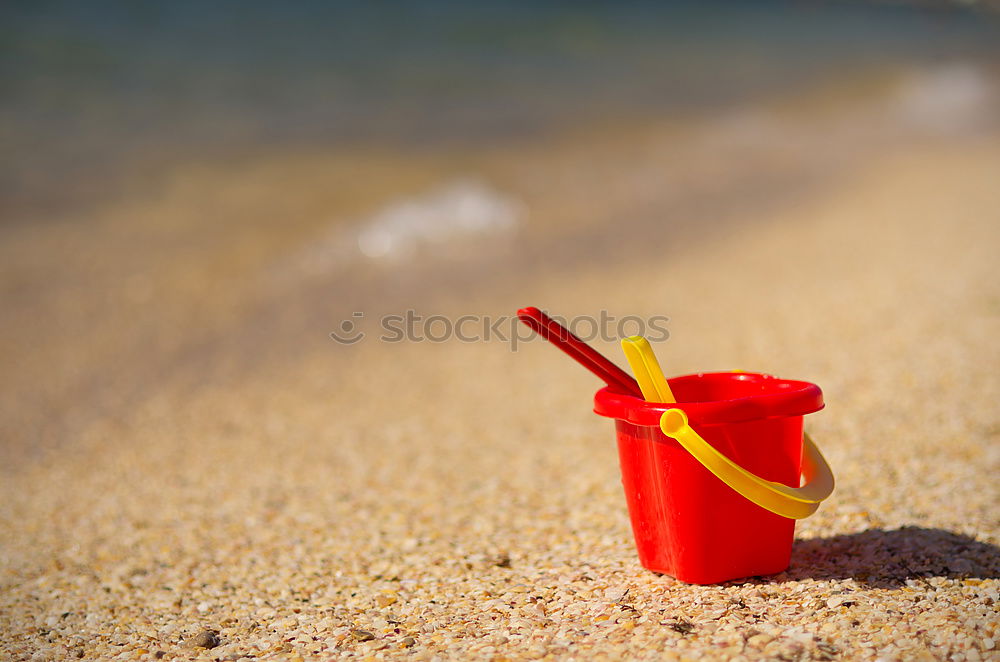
<point>687,523</point>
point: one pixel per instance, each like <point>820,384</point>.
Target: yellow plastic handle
<point>792,502</point>
<point>646,369</point>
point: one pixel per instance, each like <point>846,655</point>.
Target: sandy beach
<point>186,450</point>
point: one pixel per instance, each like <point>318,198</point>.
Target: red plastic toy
<point>719,502</point>
<point>687,522</point>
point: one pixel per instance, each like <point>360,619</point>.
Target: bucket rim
<point>789,397</point>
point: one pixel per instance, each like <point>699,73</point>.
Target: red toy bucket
<point>693,496</point>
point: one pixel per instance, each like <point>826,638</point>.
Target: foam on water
<point>460,209</point>
<point>430,224</point>
<point>946,98</point>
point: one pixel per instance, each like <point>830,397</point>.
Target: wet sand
<point>185,449</point>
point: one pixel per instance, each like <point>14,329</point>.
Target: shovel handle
<point>647,370</point>
<point>579,351</point>
<point>791,502</point>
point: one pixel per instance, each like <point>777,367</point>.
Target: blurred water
<point>300,162</point>
<point>92,91</point>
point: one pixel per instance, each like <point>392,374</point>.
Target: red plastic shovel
<point>616,378</point>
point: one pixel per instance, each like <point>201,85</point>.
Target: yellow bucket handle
<point>791,502</point>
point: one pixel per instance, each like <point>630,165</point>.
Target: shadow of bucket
<point>718,503</point>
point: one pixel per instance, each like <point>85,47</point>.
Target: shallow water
<point>194,193</point>
<point>94,94</point>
